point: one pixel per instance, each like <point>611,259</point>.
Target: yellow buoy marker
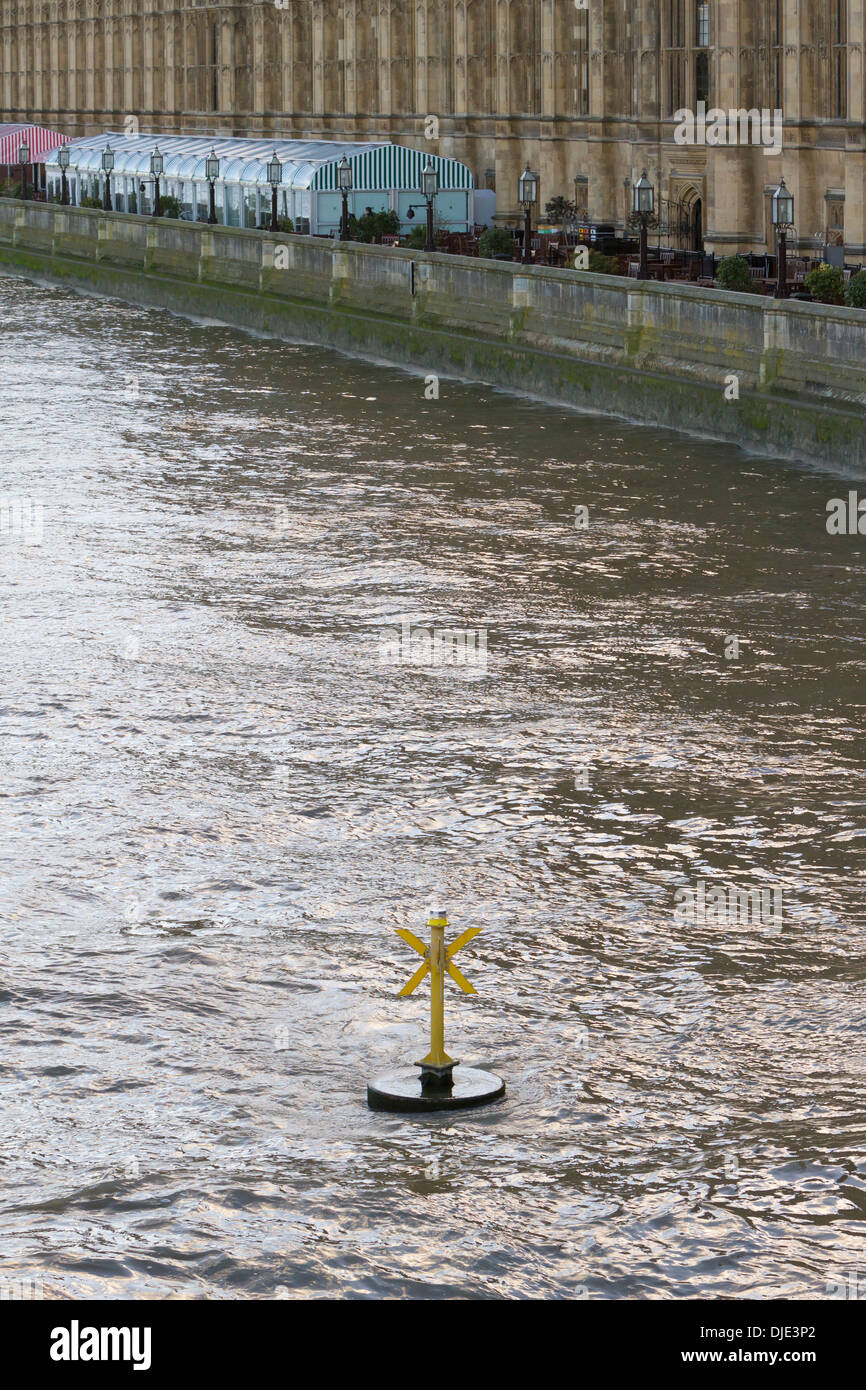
<point>443,1084</point>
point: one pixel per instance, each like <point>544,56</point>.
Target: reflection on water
<point>220,795</point>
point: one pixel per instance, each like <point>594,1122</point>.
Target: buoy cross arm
<point>456,975</point>
<point>460,941</point>
<point>412,940</point>
<point>423,970</point>
<point>460,980</point>
<point>411,985</point>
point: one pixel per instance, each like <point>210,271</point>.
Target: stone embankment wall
<point>780,377</point>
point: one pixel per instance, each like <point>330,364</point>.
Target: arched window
<point>214,68</point>
<point>840,60</point>
<point>702,77</point>
<point>674,38</point>
<point>776,74</point>
<point>702,24</point>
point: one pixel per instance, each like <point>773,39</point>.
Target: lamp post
<point>644,205</point>
<point>783,221</point>
<point>429,186</point>
<point>157,165</point>
<point>63,162</point>
<point>107,166</point>
<point>24,160</point>
<point>344,183</point>
<point>212,173</point>
<point>528,195</point>
<point>275,178</point>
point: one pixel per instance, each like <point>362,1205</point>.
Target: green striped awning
<point>393,166</point>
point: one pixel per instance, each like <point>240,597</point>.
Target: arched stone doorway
<point>693,206</point>
<point>698,225</point>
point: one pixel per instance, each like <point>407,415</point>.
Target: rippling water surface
<point>218,801</point>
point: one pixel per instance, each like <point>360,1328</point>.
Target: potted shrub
<point>603,265</point>
<point>855,291</point>
<point>732,273</point>
<point>373,225</point>
<point>417,238</point>
<point>496,242</point>
<point>826,284</point>
<point>169,207</point>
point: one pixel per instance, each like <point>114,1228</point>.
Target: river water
<point>221,794</point>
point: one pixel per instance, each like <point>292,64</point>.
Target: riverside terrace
<point>375,191</point>
<point>777,376</point>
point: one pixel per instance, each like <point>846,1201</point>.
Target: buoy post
<point>437,1087</point>
<point>437,1068</point>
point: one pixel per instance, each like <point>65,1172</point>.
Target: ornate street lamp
<point>107,166</point>
<point>275,178</point>
<point>644,205</point>
<point>63,162</point>
<point>528,195</point>
<point>429,187</point>
<point>783,221</point>
<point>344,183</point>
<point>212,173</point>
<point>157,165</point>
<point>24,160</point>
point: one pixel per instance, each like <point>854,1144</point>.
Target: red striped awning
<point>39,140</point>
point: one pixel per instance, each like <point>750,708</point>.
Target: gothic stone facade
<point>585,90</point>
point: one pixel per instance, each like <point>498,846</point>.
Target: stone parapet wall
<point>666,354</point>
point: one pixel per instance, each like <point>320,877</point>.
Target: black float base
<point>401,1090</point>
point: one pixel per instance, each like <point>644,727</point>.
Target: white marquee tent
<point>384,176</point>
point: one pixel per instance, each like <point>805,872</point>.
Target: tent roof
<point>39,138</point>
<point>306,163</point>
